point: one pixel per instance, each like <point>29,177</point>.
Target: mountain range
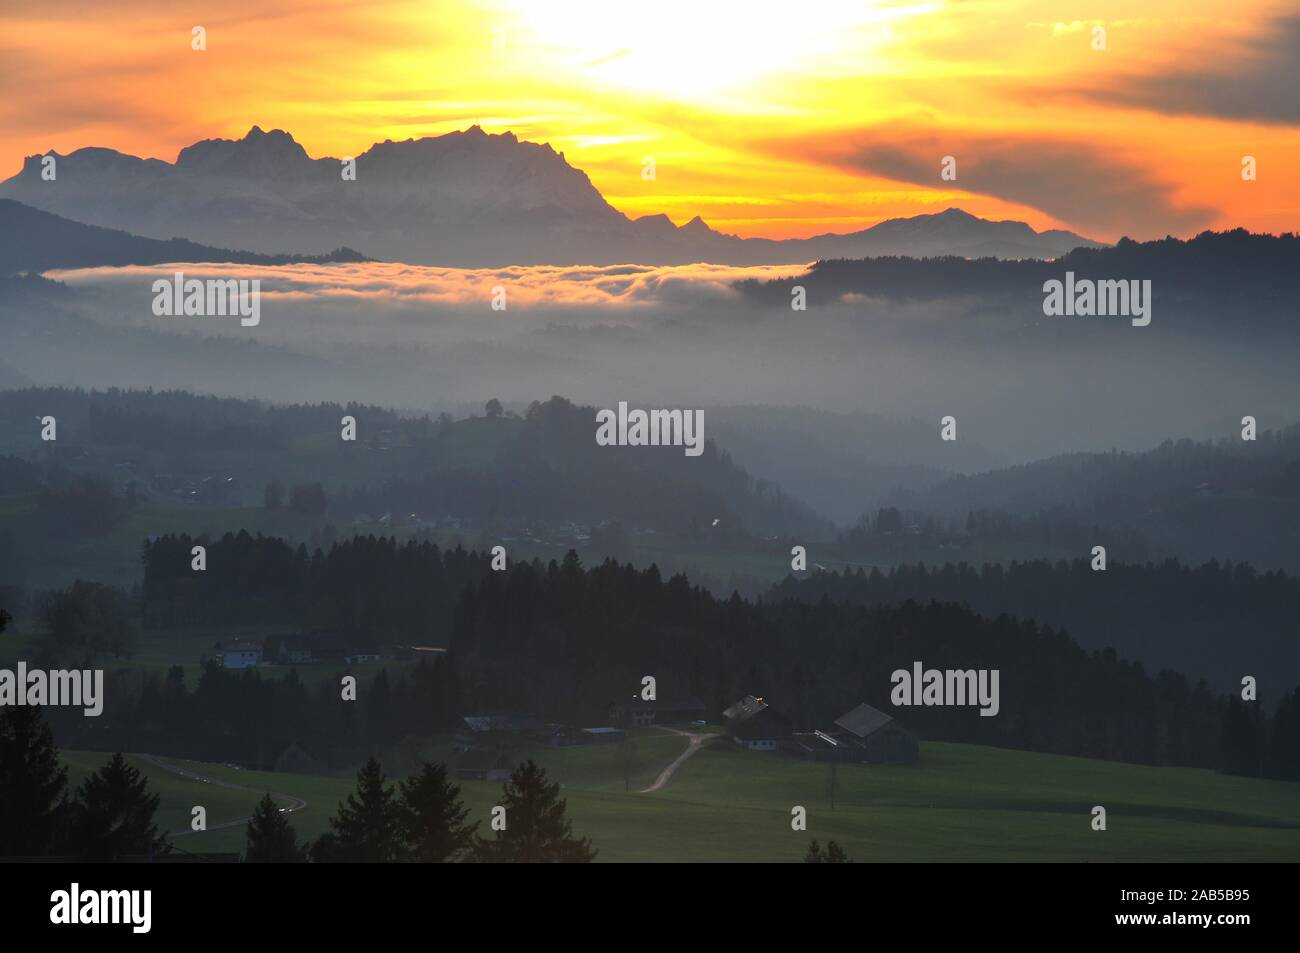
<point>467,199</point>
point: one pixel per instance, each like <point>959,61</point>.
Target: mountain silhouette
<point>466,198</point>
<point>35,241</point>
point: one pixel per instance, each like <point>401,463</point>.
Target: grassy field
<point>962,803</point>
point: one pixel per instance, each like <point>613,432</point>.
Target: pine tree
<point>33,798</point>
<point>537,830</point>
<point>367,827</point>
<point>271,838</point>
<point>834,854</point>
<point>114,814</point>
<point>433,817</point>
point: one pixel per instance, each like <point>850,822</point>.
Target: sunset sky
<point>765,118</point>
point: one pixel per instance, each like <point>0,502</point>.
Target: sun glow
<point>701,49</point>
<point>765,117</point>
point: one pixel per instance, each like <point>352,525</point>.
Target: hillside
<point>1214,621</point>
<point>963,803</point>
<point>1213,282</point>
<point>35,241</point>
<point>1229,499</point>
<point>202,464</point>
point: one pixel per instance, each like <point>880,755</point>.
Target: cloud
<point>1082,183</point>
<point>1256,81</point>
<point>542,287</point>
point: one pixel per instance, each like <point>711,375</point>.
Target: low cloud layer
<point>532,286</point>
<point>1022,385</point>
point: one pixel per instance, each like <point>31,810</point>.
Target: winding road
<point>697,741</point>
<point>295,803</point>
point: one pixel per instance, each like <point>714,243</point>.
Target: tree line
<point>562,641</point>
<point>110,815</point>
<point>559,635</point>
<point>423,820</point>
<point>373,590</point>
<point>244,717</point>
<point>1218,620</point>
<point>1230,275</point>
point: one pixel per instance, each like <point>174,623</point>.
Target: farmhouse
<point>820,746</point>
<point>494,732</point>
<point>743,710</point>
<point>765,731</point>
<point>879,737</point>
<point>239,654</point>
<point>294,760</point>
<point>556,736</point>
<point>296,650</point>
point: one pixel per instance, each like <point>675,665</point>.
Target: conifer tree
<point>433,817</point>
<point>271,838</point>
<point>33,786</point>
<point>834,854</point>
<point>537,830</point>
<point>367,828</point>
<point>114,814</point>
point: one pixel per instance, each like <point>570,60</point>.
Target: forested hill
<point>1256,276</point>
<point>543,465</point>
<point>562,642</point>
<point>34,240</point>
<point>548,465</point>
<point>1215,621</point>
<point>1175,470</point>
<point>1230,499</point>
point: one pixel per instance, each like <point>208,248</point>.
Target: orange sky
<point>766,118</point>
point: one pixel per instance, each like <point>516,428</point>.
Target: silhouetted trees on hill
<point>1246,279</point>
<point>1217,621</point>
<point>109,816</point>
<point>563,641</point>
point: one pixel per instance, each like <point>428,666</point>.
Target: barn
<point>746,708</point>
<point>881,739</point>
<point>764,731</point>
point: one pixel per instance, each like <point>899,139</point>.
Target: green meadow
<point>960,803</point>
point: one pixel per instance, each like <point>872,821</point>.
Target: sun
<point>695,49</point>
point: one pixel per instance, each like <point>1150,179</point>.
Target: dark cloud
<point>1259,83</point>
<point>1076,182</point>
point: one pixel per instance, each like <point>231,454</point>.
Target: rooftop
<point>746,708</point>
<point>863,720</point>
